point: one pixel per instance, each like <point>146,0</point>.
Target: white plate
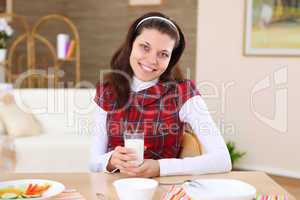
<point>55,188</point>
<point>220,189</point>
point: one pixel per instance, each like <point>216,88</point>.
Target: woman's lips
<point>146,68</point>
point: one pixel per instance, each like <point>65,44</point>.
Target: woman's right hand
<point>120,157</point>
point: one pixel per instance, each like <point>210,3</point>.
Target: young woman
<point>141,94</point>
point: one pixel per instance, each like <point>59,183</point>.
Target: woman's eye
<point>164,55</point>
<point>145,47</point>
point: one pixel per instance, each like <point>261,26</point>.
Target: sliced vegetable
<point>9,196</point>
<point>10,190</point>
<point>28,188</point>
<point>23,192</point>
<point>31,195</point>
<point>32,189</point>
<point>42,188</point>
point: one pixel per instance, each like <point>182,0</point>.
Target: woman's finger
<point>119,167</point>
<point>124,150</point>
<point>124,157</point>
<point>123,164</point>
<point>127,157</point>
<point>115,159</point>
<point>123,161</point>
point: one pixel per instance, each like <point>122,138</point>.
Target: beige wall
<point>258,128</point>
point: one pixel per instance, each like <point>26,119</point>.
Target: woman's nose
<point>152,58</point>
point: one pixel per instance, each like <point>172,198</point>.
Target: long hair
<point>122,73</point>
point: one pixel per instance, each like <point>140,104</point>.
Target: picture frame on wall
<point>144,2</point>
<point>6,6</point>
<point>272,28</point>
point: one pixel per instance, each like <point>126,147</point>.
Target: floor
<point>290,184</point>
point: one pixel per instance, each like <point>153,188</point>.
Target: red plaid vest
<point>154,111</point>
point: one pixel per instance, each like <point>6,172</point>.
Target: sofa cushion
<point>59,110</point>
<point>18,123</point>
<point>48,153</point>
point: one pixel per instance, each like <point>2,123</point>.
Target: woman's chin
<point>145,77</point>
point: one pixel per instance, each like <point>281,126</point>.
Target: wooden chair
<point>190,145</point>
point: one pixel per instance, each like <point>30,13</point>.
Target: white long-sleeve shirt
<point>194,111</point>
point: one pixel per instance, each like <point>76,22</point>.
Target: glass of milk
<point>135,141</point>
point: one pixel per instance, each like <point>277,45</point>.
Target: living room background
<point>102,27</point>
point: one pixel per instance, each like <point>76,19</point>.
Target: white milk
<point>138,146</point>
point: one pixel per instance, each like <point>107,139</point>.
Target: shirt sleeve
<point>216,158</point>
<point>99,158</point>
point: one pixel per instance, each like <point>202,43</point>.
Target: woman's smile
<point>147,68</point>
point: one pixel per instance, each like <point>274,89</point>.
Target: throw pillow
<point>17,122</point>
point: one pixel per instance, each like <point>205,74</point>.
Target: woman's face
<point>151,53</point>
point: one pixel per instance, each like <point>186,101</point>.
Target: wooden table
<point>89,184</point>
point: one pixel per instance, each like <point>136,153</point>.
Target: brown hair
<point>121,75</point>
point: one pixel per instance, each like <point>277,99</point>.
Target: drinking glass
<point>135,141</point>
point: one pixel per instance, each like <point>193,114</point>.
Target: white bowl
<point>135,188</point>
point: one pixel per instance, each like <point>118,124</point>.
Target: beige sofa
<point>66,118</point>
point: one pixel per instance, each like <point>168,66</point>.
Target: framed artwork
<point>272,27</point>
<point>144,2</point>
<point>6,6</point>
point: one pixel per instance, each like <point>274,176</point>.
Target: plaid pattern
<point>153,111</point>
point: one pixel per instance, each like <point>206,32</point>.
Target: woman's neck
<point>138,85</point>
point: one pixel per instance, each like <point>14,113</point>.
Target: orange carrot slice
<point>32,190</point>
<point>28,188</point>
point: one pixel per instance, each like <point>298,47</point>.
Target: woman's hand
<point>120,157</point>
<point>149,168</point>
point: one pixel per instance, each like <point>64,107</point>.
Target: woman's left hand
<point>149,168</point>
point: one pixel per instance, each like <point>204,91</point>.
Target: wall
<point>268,128</point>
<point>103,24</point>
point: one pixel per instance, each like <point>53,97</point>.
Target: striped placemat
<point>178,193</point>
<point>70,194</point>
<point>175,193</point>
<point>271,197</point>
